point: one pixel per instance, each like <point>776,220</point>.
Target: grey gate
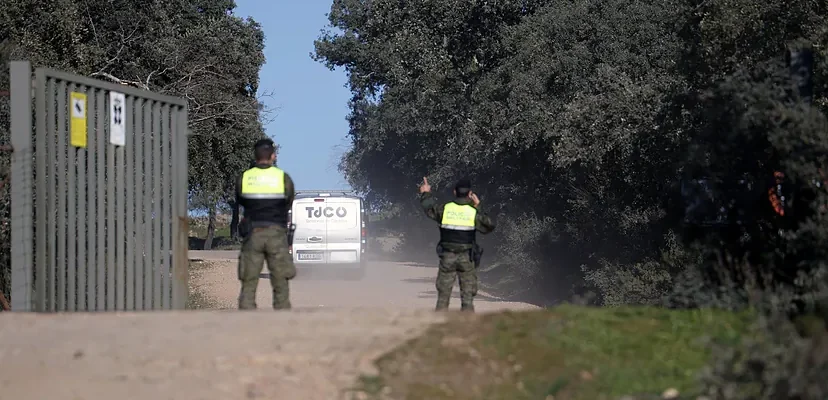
<point>98,195</point>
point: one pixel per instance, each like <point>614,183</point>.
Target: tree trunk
<point>211,228</point>
<point>234,221</point>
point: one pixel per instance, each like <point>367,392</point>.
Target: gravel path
<point>316,351</point>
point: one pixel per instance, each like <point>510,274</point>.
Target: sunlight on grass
<point>568,352</point>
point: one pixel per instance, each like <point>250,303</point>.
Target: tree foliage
<point>650,152</point>
<point>193,49</point>
<point>578,121</point>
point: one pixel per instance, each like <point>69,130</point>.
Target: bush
<point>780,360</point>
<point>522,239</point>
<point>642,283</point>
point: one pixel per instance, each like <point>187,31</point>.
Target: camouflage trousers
<point>453,266</point>
<point>265,244</point>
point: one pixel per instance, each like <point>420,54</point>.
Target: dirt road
<point>395,285</point>
<point>316,351</point>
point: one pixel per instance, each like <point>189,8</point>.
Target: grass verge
<point>564,353</point>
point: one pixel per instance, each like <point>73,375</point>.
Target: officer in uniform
<point>459,220</point>
<point>266,193</point>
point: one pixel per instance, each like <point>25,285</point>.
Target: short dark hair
<point>263,149</point>
<point>463,187</point>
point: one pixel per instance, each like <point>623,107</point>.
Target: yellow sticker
<point>77,127</point>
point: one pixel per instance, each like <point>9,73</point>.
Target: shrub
<point>781,360</point>
<point>642,283</point>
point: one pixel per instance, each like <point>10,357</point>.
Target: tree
<point>577,121</point>
<point>194,49</point>
<point>529,99</point>
<point>211,58</point>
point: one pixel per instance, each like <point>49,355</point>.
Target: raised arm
<point>482,222</point>
<point>432,209</point>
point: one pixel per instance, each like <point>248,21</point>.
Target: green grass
<point>568,352</point>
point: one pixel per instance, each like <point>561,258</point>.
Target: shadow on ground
<point>319,274</point>
<point>425,279</point>
<point>219,243</point>
<point>419,265</point>
<point>495,281</point>
<point>455,294</point>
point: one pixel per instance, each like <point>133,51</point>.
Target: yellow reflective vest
<point>263,183</point>
<point>262,194</point>
<point>457,224</point>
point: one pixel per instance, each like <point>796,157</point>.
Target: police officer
<point>459,220</point>
<point>266,193</point>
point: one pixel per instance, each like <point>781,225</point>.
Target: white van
<point>330,230</point>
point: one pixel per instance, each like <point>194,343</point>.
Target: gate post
<point>22,196</point>
<point>180,290</point>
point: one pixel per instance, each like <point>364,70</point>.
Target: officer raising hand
<point>425,187</point>
<point>459,254</point>
<point>474,199</point>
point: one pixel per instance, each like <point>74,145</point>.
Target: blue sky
<point>310,101</point>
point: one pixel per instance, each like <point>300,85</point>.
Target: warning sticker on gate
<point>77,126</point>
<point>117,123</point>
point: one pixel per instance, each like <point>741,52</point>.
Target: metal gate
<point>98,195</point>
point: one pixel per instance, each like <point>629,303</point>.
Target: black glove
<point>291,231</point>
<point>477,254</point>
<point>244,228</point>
